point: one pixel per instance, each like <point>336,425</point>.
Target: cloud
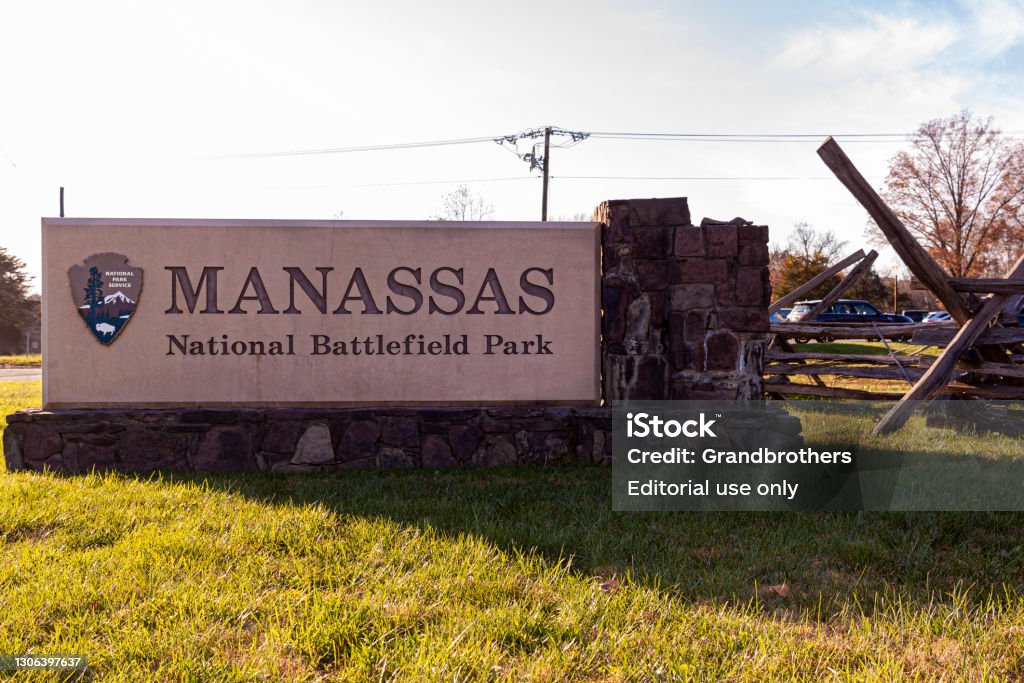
<point>998,26</point>
<point>883,45</point>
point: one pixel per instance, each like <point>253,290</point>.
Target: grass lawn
<point>33,361</point>
<point>870,348</point>
<point>493,575</point>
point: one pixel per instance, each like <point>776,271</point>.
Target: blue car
<point>846,311</point>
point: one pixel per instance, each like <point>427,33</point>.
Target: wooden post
<point>1013,304</point>
<point>814,282</point>
<point>919,261</point>
<point>840,289</point>
<point>939,335</point>
<point>850,330</point>
<point>939,373</point>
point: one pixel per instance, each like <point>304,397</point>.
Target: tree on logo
<point>93,293</point>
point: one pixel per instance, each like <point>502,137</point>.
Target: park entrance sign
<point>308,313</point>
<point>291,346</point>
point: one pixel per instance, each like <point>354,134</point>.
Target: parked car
<point>779,316</point>
<point>937,317</point>
<point>915,314</point>
<point>844,311</point>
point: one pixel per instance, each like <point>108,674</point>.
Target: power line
<point>345,150</point>
<point>712,140</point>
<point>467,181</point>
<point>764,137</point>
<point>603,134</point>
<point>426,182</point>
<point>637,177</point>
<point>509,141</point>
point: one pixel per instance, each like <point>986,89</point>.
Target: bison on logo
<point>106,292</point>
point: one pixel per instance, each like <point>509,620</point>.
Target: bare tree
<point>1006,252</point>
<point>959,191</point>
<point>578,217</point>
<point>806,242</point>
<point>462,205</point>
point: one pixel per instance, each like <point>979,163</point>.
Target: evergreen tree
<point>872,288</point>
<point>793,270</point>
<point>93,294</point>
<point>16,310</point>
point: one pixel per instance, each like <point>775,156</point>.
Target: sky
<point>164,110</point>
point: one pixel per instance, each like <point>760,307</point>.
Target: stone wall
<point>290,440</point>
<point>685,317</point>
<point>685,306</point>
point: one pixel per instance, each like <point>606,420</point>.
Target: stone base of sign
<point>299,440</point>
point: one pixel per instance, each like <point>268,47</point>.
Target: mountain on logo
<point>114,305</point>
<point>117,297</point>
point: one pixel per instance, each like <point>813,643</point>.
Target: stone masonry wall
<point>685,306</point>
<point>291,440</point>
<point>685,316</point>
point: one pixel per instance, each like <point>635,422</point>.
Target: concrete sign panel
<point>282,313</point>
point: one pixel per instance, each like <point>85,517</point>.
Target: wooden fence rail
<point>846,330</point>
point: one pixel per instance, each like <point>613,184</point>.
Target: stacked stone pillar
<point>685,306</point>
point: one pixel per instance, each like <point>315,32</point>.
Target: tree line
<point>19,312</point>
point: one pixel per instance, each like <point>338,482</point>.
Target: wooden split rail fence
<point>970,377</point>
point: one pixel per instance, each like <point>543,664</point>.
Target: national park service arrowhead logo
<point>106,292</point>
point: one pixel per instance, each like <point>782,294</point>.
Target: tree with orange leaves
<point>959,190</point>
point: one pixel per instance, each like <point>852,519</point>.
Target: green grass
<point>511,575</point>
<point>15,396</point>
<point>866,348</point>
<point>33,361</point>
<point>920,467</point>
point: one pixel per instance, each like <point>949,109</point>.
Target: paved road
<point>21,374</point>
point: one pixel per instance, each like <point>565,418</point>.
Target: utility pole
<point>537,161</point>
<point>547,169</point>
<point>895,279</point>
<point>62,201</point>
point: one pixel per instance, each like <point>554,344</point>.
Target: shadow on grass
<point>827,559</point>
